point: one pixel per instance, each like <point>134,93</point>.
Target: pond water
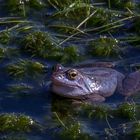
<point>37,34</point>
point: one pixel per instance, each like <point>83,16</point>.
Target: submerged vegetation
<point>35,35</point>
<point>104,46</point>
<point>16,122</point>
<point>4,37</point>
<point>25,69</point>
<point>40,44</point>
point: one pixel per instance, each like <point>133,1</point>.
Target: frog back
<point>104,81</point>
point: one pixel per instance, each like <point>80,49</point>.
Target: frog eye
<point>72,74</point>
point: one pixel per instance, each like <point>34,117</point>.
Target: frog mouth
<point>58,83</point>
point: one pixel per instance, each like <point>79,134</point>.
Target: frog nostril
<point>60,76</point>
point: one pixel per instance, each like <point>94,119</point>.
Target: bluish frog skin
<point>94,83</point>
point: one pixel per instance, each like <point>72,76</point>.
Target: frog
<point>94,83</point>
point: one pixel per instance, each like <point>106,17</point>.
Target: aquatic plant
<point>95,112</point>
<point>40,44</point>
<point>102,17</point>
<point>70,128</point>
<point>16,122</point>
<point>8,52</point>
<point>20,88</point>
<point>4,37</point>
<point>127,110</point>
<point>104,46</point>
<point>135,132</point>
<point>16,6</point>
<point>78,10</point>
<point>83,16</point>
<point>63,108</point>
<point>21,7</point>
<point>136,24</point>
<point>36,4</point>
<point>25,69</point>
<point>70,55</point>
<point>74,132</point>
<point>122,4</point>
<point>63,4</point>
<point>132,40</point>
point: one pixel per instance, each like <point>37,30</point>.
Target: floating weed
<point>20,88</point>
<point>73,132</point>
<point>132,39</point>
<point>78,14</point>
<point>127,110</point>
<point>135,132</point>
<point>21,7</point>
<point>96,112</point>
<point>17,7</point>
<point>5,37</point>
<point>62,108</point>
<point>102,17</point>
<point>122,4</point>
<point>63,4</point>
<point>8,52</point>
<point>40,44</point>
<point>16,123</point>
<point>70,55</point>
<point>25,68</point>
<point>76,11</point>
<point>36,4</point>
<point>11,53</point>
<point>68,19</point>
<point>63,28</point>
<point>104,46</point>
<point>136,24</point>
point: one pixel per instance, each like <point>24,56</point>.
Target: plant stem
<point>61,122</point>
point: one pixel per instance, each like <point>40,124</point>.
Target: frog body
<point>93,83</point>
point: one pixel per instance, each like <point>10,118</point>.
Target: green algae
<point>105,47</point>
<point>42,45</point>
<point>95,112</point>
<point>62,4</point>
<point>5,37</point>
<point>8,52</point>
<point>21,7</point>
<point>16,123</point>
<point>136,25</point>
<point>122,4</point>
<point>70,19</point>
<point>70,55</point>
<point>25,69</point>
<point>127,111</point>
<point>73,132</point>
<point>20,88</point>
<point>71,129</point>
<point>135,132</point>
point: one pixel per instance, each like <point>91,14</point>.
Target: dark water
<point>40,103</point>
